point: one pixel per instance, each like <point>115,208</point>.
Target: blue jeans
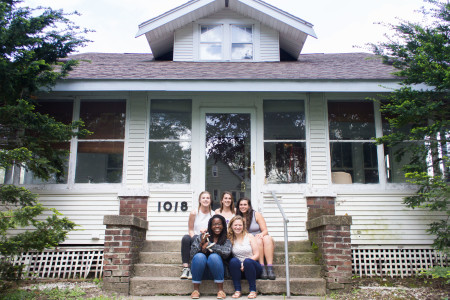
<point>207,268</point>
<point>252,270</point>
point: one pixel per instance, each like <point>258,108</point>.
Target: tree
<point>32,45</point>
<point>420,116</point>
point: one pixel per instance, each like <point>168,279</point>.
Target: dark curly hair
<point>223,234</point>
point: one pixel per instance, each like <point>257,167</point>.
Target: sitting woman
<point>208,252</point>
<point>245,261</point>
<point>256,225</point>
<point>197,224</point>
<point>227,209</point>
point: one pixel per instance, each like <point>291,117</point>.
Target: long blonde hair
<point>231,234</point>
<point>210,200</point>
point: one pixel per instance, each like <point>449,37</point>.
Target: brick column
<point>133,206</point>
<point>124,238</point>
<point>319,206</point>
<point>331,235</point>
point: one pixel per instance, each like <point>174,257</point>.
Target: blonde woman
<point>227,209</point>
<point>245,257</point>
<point>197,224</point>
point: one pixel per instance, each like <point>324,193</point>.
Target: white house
<point>227,96</point>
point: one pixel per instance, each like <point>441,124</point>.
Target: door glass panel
<point>228,155</point>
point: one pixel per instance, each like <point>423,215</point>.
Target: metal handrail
<point>286,251</point>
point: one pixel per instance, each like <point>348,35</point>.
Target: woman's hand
<point>204,241</point>
<point>242,266</point>
<point>259,236</point>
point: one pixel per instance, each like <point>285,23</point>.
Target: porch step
<point>307,258</point>
<point>174,270</point>
<point>175,246</point>
<point>159,269</point>
<point>151,286</point>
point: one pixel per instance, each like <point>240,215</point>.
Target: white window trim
<point>226,44</point>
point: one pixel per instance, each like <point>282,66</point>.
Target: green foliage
<point>418,111</point>
<point>437,273</point>
<point>34,44</point>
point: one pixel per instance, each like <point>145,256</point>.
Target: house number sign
<point>169,206</point>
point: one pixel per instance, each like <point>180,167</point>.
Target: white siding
<point>380,218</point>
<point>86,210</point>
<point>184,44</point>
<point>318,160</point>
<point>294,206</point>
<point>135,167</point>
<point>269,44</point>
<point>168,225</point>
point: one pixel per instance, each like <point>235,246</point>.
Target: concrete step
<point>174,270</point>
<point>296,258</point>
<point>175,246</point>
<point>150,286</point>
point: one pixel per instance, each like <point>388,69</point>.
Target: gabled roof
<point>160,30</point>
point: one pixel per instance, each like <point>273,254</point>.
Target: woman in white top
<point>197,224</point>
<point>245,261</point>
<point>227,209</point>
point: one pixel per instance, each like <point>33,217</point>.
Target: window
<point>100,155</point>
<point>211,37</point>
<point>284,141</point>
<point>61,111</point>
<point>226,42</point>
<point>353,152</point>
<point>170,141</point>
<point>241,42</point>
<point>215,171</point>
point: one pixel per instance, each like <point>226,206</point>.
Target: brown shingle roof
<point>348,66</point>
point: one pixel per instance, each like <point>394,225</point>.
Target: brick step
<point>150,286</point>
<point>175,246</point>
<point>174,270</point>
<point>298,258</point>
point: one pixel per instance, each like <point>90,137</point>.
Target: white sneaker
<point>190,275</point>
<point>185,273</point>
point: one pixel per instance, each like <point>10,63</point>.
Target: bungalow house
<point>226,101</point>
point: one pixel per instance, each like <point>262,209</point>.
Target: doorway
<point>229,153</point>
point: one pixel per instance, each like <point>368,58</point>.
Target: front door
<point>228,157</point>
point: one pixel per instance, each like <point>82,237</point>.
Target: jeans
<point>207,268</point>
<point>186,248</point>
<point>252,270</point>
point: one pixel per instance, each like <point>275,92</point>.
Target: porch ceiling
<point>159,31</point>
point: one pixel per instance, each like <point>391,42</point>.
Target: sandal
<point>221,295</point>
<point>236,295</point>
<point>195,295</point>
<point>252,295</point>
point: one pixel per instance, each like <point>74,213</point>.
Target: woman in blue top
<point>208,252</point>
<point>256,225</point>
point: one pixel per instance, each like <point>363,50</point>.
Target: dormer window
<point>211,38</point>
<point>226,42</point>
<point>241,42</point>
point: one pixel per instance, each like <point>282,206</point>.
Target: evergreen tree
<point>418,112</point>
<point>33,43</point>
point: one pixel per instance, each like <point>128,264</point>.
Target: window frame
<point>382,178</point>
<point>148,140</point>
<point>227,38</point>
<point>306,141</point>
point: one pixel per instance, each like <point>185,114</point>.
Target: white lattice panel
<point>395,262</point>
<point>62,263</point>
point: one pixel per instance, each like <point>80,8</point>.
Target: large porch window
<point>170,141</point>
<point>353,152</point>
<point>100,155</point>
<point>284,141</point>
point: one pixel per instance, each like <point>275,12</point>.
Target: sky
<point>341,26</point>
